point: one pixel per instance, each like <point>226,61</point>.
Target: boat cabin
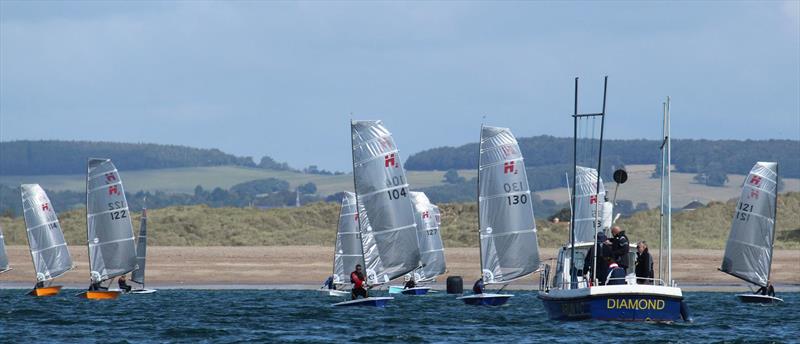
<point>561,276</point>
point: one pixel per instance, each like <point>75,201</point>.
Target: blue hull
<point>415,291</point>
<point>617,308</point>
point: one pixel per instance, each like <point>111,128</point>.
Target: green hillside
<point>315,224</point>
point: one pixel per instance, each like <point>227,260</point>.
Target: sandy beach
<point>308,266</point>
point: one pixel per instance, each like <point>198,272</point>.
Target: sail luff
<point>141,250</point>
<point>111,242</point>
<point>48,249</point>
<point>748,251</point>
<point>509,244</point>
<point>386,216</point>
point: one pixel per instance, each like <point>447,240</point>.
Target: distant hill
<point>55,157</point>
<point>315,224</point>
<point>688,155</point>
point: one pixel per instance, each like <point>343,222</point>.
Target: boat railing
<point>583,283</point>
<point>543,285</point>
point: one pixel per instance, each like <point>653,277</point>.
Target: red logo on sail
<point>45,206</point>
<point>425,215</point>
<point>356,217</point>
<point>113,190</point>
<point>593,199</point>
<point>754,194</point>
<point>508,167</point>
<point>110,177</point>
<point>755,180</point>
<point>389,160</point>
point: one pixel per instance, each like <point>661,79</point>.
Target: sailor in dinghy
<point>112,251</point>
<point>748,252</point>
<point>49,251</point>
<point>509,247</point>
<point>4,266</point>
<point>386,216</point>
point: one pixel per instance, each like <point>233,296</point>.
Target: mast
<point>774,222</point>
<point>669,196</point>
<point>358,208</point>
<point>599,165</point>
<point>572,272</point>
<point>478,200</point>
<point>86,209</point>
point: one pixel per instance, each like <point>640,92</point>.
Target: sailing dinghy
<point>137,276</point>
<point>431,249</point>
<point>112,250</point>
<point>386,215</point>
<point>748,253</point>
<point>509,248</point>
<point>4,267</point>
<point>49,251</point>
<point>347,251</point>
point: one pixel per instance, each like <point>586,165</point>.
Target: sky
<point>284,78</point>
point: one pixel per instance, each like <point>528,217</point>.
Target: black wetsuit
<point>477,288</point>
<point>619,249</point>
<point>123,286</point>
<point>410,284</point>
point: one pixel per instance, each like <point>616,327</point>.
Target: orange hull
<point>45,291</point>
<point>99,294</point>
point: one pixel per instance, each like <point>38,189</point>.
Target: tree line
<point>713,159</point>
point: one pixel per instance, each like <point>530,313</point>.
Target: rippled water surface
<point>227,316</point>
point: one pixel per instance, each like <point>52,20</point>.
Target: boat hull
<point>142,291</point>
<point>45,291</point>
<point>486,299</point>
<point>367,302</point>
<point>637,305</point>
<point>757,298</point>
<point>334,292</point>
<point>99,294</point>
<point>416,291</point>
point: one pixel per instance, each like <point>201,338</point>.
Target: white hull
<point>758,298</point>
<point>334,292</point>
<point>142,291</point>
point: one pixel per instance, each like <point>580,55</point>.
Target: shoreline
<point>305,267</point>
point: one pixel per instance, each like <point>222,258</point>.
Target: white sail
<point>348,241</point>
<point>109,230</point>
<point>748,253</point>
<point>386,216</point>
<point>3,256</point>
<point>48,248</point>
<point>588,204</point>
<point>141,250</point>
<point>509,246</point>
<point>431,248</point>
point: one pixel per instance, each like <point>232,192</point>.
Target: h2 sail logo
<point>389,160</point>
<point>508,167</point>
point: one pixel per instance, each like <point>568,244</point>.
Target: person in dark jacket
<point>620,246</point>
<point>644,264</point>
<point>602,266</point>
<point>122,282</point>
<point>357,278</point>
<point>477,288</point>
<point>769,290</point>
<point>329,283</point>
<point>410,284</point>
<point>616,274</point>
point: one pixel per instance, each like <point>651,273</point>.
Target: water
<point>229,316</point>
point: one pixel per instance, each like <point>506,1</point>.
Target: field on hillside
<point>184,180</point>
<point>315,224</point>
<point>641,188</point>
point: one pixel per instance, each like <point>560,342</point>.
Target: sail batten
<point>507,229</point>
<point>748,251</point>
<point>348,241</point>
<point>431,248</point>
<point>111,241</point>
<point>386,216</point>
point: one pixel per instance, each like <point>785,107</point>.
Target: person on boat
<point>122,282</point>
<point>602,266</point>
<point>620,247</point>
<point>95,286</point>
<point>608,214</point>
<point>644,264</point>
<point>39,284</point>
<point>769,290</point>
<point>357,278</point>
<point>329,283</point>
<point>410,283</point>
<point>477,288</point>
<point>616,274</point>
